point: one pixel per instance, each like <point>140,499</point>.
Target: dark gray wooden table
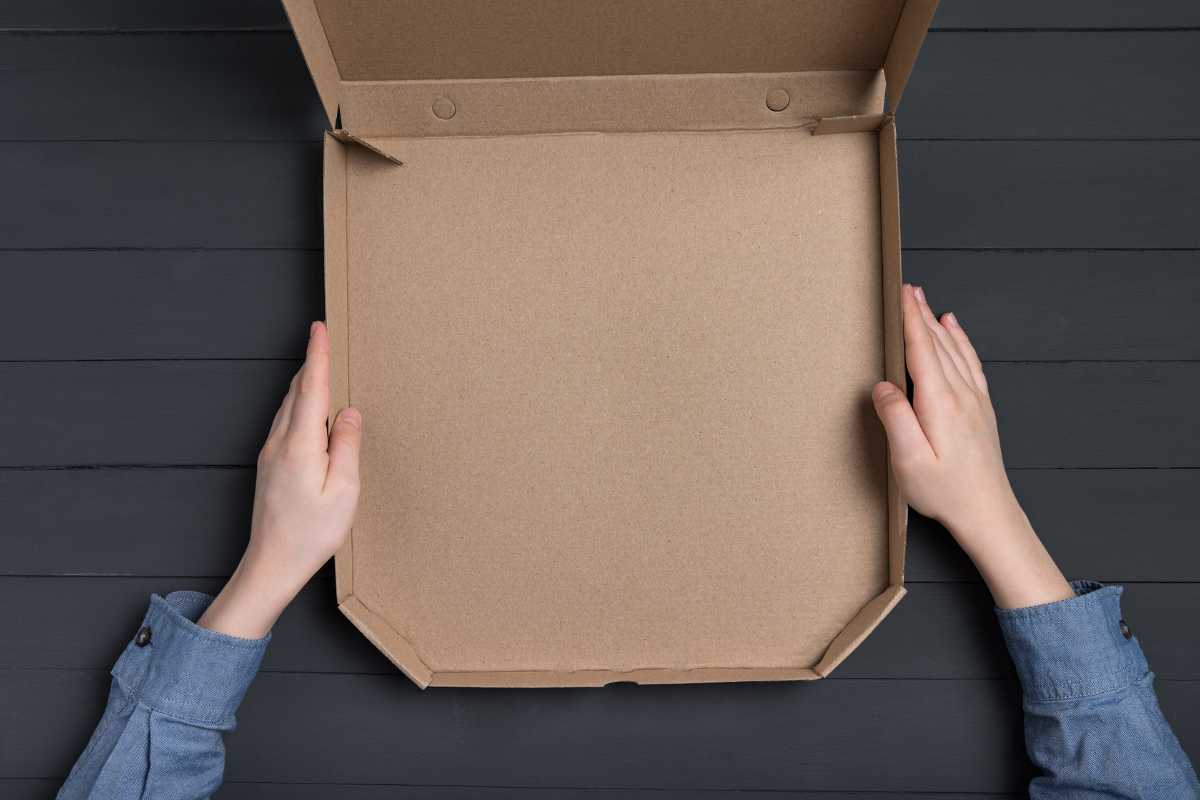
<point>160,259</point>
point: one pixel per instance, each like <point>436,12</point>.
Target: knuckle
<point>908,463</point>
<point>292,451</point>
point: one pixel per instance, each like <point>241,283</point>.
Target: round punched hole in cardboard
<point>778,99</point>
<point>443,108</point>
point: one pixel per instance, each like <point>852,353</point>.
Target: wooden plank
<point>141,15</point>
<point>159,304</point>
<point>154,195</point>
<point>232,790</point>
<point>979,195</point>
<point>939,631</point>
<point>1084,414</point>
<point>1066,14</point>
<point>159,86</point>
<point>1110,195</point>
<point>256,87</point>
<point>185,522</point>
<point>871,735</point>
<point>1053,85</point>
<point>1111,525</point>
<point>1046,305</point>
<point>1079,414</point>
<point>829,735</point>
<point>140,412</point>
<point>1018,306</point>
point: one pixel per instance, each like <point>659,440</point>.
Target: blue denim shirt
<point>1088,698</point>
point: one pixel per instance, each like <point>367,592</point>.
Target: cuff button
<point>143,636</point>
<point>1128,634</point>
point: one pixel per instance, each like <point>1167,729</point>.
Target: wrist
<point>1012,560</point>
<point>252,600</point>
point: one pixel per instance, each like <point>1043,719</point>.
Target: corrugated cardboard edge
<point>375,147</point>
<point>859,628</point>
<point>337,314</point>
<point>906,44</point>
<point>893,343</point>
<point>861,123</point>
<point>604,677</point>
<point>306,23</point>
<point>398,649</point>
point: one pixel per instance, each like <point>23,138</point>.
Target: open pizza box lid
<point>611,283</point>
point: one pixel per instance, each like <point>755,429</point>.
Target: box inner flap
<point>405,40</point>
<point>617,389</point>
<point>366,55</point>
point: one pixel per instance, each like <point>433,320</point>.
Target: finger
<point>974,365</point>
<point>906,438</point>
<point>952,361</point>
<point>345,443</point>
<point>283,414</point>
<point>311,412</point>
<point>920,350</point>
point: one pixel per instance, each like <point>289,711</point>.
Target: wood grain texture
<point>1066,14</point>
<point>142,15</point>
<point>382,729</point>
<point>1086,305</point>
<point>1079,414</point>
<point>166,304</point>
<point>1098,415</point>
<point>939,631</point>
<point>256,87</point>
<point>159,86</point>
<point>1050,194</point>
<point>980,195</point>
<point>1053,85</point>
<point>139,412</point>
<point>155,195</point>
<point>1111,525</point>
<point>369,729</point>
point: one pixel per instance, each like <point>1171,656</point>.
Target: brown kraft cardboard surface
<point>611,284</point>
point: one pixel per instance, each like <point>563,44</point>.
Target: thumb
<point>906,439</point>
<point>345,442</point>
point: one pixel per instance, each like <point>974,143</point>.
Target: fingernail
<point>312,329</point>
<point>952,319</point>
<point>920,293</point>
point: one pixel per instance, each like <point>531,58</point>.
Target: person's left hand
<point>304,502</point>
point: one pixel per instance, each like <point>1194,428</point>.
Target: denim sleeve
<point>175,690</point>
<point>1093,727</point>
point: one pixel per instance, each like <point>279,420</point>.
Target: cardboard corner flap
<point>603,446</point>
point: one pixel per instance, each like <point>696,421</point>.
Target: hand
<point>945,453</point>
<point>304,501</point>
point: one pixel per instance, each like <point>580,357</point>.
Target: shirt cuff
<point>1073,648</point>
<point>179,669</point>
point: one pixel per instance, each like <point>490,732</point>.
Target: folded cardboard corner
<point>611,284</point>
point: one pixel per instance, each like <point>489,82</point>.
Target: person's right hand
<point>945,453</point>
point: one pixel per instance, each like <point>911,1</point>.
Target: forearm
<point>175,690</point>
<point>1011,558</point>
<point>254,597</point>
